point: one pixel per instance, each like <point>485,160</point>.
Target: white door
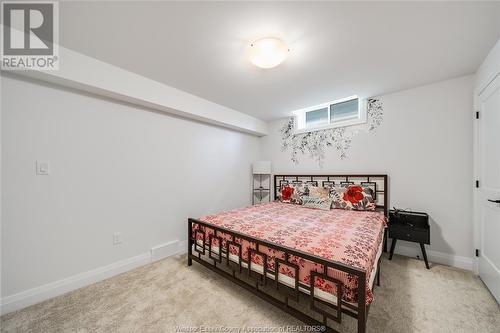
<point>489,189</point>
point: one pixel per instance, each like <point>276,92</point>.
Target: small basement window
<point>317,117</point>
<point>344,112</point>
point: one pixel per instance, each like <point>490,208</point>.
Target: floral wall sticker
<point>374,114</point>
<point>314,144</point>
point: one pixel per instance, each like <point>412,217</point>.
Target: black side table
<point>411,227</point>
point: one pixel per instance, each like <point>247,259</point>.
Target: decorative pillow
<point>353,197</point>
<point>286,194</point>
<point>319,192</point>
<point>317,203</point>
<point>293,193</point>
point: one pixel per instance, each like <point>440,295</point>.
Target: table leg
<point>422,247</point>
<point>393,246</point>
<point>378,275</point>
<point>385,240</point>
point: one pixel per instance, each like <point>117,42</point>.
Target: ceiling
<point>338,49</point>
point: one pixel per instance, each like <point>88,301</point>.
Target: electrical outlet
<point>42,168</point>
<point>117,238</point>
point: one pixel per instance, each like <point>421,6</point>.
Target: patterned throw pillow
<point>353,197</point>
<point>319,192</point>
<point>317,203</point>
<point>293,193</point>
<point>286,194</point>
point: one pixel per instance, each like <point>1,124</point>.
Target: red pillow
<point>354,194</point>
<point>286,194</point>
<point>354,197</point>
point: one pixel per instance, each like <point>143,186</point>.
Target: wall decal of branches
<point>315,143</point>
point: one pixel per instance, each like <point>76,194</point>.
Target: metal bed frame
<point>246,277</point>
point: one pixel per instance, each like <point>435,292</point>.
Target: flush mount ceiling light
<point>268,52</point>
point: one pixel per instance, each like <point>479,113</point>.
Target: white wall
<point>425,146</point>
<point>114,167</point>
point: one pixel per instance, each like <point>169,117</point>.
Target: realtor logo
<point>29,35</point>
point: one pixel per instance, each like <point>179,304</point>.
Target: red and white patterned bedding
<point>346,236</point>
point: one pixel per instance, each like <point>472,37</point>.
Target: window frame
<point>300,115</point>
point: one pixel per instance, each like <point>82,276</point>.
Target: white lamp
<point>262,168</point>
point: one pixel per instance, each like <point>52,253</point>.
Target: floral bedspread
<point>346,236</point>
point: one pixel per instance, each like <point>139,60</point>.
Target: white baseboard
<point>168,249</point>
<point>56,288</point>
<point>183,247</point>
<point>436,257</point>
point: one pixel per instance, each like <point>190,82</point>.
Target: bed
<point>290,255</point>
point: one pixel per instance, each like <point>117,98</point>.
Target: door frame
<point>476,223</point>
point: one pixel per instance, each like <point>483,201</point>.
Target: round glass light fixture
<point>268,52</point>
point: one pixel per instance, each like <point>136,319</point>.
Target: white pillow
<point>317,203</point>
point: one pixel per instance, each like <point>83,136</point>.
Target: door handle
<point>495,201</point>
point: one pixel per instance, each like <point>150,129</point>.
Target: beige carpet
<point>166,294</point>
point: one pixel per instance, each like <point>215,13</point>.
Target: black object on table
<point>411,227</point>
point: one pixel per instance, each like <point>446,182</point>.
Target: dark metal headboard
<point>378,183</point>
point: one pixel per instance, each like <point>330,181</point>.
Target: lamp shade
<point>262,168</point>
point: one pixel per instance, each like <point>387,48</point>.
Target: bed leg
<point>378,275</point>
<point>362,303</point>
<point>190,242</point>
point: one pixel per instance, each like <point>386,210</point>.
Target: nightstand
<point>411,227</point>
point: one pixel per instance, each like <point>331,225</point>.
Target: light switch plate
<point>117,238</point>
<point>42,168</point>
